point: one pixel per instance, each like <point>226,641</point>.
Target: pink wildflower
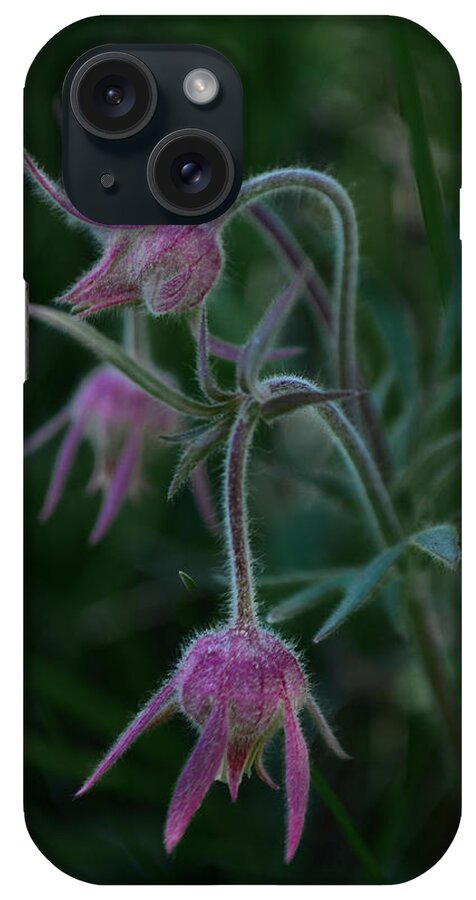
<point>170,268</point>
<point>115,417</point>
<point>238,686</point>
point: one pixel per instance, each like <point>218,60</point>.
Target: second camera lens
<point>190,172</point>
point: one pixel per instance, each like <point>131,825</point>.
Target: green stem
<point>348,248</point>
<point>378,501</point>
<point>368,475</point>
<point>370,865</point>
<point>112,353</point>
<point>433,659</point>
<point>429,651</point>
<point>272,226</point>
<point>135,336</point>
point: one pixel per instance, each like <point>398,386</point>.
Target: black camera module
<point>140,147</point>
<point>190,172</point>
<point>113,95</point>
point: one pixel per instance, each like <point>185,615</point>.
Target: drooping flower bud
<point>116,418</point>
<point>238,686</point>
<point>169,268</point>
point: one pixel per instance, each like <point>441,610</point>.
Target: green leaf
<point>397,329</point>
<point>429,189</point>
<point>195,452</point>
<point>305,599</point>
<point>112,353</point>
<point>440,542</point>
<point>187,581</point>
<point>363,584</point>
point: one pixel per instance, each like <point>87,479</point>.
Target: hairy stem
<point>362,463</point>
<point>348,248</point>
<point>236,517</point>
<point>282,237</point>
<point>289,248</point>
<point>110,352</point>
<point>135,337</point>
<point>379,502</point>
<point>355,452</point>
<point>429,651</point>
<point>206,378</point>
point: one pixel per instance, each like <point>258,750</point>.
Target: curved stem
<point>273,227</point>
<point>210,387</point>
<point>428,649</point>
<point>352,446</point>
<point>361,461</point>
<point>348,249</point>
<point>379,502</point>
<point>236,518</point>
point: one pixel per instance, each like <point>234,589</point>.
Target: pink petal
<point>139,724</point>
<point>118,298</point>
<point>118,488</point>
<point>45,432</point>
<point>297,778</point>
<point>63,464</point>
<point>199,772</point>
<point>96,276</point>
<point>236,757</point>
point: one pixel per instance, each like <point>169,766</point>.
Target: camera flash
<point>200,86</point>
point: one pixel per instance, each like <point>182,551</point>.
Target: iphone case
<point>242,479</point>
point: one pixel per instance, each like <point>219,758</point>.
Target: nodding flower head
<point>238,685</point>
<point>170,268</point>
<point>115,417</point>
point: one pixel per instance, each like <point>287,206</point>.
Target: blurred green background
<point>376,102</point>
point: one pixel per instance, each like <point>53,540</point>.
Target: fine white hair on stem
<point>236,517</point>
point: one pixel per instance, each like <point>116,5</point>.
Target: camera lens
<point>113,95</point>
<point>190,172</point>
